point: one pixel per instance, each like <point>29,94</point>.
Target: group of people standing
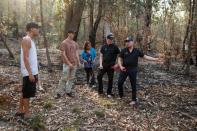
<point>109,57</point>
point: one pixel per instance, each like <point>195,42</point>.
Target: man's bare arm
<point>78,59</point>
<point>120,61</point>
<point>150,58</point>
<point>63,54</point>
<point>101,60</point>
<point>122,68</point>
<point>153,59</point>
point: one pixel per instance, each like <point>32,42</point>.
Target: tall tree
<point>74,15</point>
<point>69,14</point>
<point>195,32</point>
<point>3,35</point>
<point>192,33</point>
<point>92,33</point>
<point>44,37</point>
<point>3,39</point>
<point>147,23</point>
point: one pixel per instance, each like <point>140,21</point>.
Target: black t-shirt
<point>130,59</point>
<point>110,53</point>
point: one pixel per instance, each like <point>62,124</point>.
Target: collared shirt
<point>110,53</point>
<point>130,59</point>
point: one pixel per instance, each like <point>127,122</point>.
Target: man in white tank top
<point>29,69</point>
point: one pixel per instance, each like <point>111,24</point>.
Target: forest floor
<point>167,101</point>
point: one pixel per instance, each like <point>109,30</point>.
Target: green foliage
<point>69,129</point>
<point>76,110</point>
<point>37,123</point>
<point>48,104</point>
<point>99,114</point>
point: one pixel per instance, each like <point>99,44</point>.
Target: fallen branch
<point>188,115</point>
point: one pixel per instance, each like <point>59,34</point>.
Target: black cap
<point>110,36</point>
<point>71,31</point>
<point>128,39</point>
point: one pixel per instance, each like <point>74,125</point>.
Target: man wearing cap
<point>108,56</point>
<point>70,58</point>
<point>128,63</point>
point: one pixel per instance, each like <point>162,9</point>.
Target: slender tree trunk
<point>185,38</point>
<point>77,14</point>
<point>147,22</point>
<point>190,40</point>
<point>73,16</point>
<point>3,39</point>
<point>195,32</point>
<point>84,30</point>
<point>44,37</point>
<point>92,35</point>
<point>69,15</point>
<point>91,6</point>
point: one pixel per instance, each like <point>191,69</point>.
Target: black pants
<point>132,73</point>
<point>90,73</point>
<point>110,73</point>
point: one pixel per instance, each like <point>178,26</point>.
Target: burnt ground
<point>167,101</point>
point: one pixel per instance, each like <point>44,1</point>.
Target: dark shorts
<point>29,88</point>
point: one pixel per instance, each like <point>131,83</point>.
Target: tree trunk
<point>44,37</point>
<point>191,33</point>
<point>69,14</point>
<point>74,15</point>
<point>77,14</point>
<point>3,39</point>
<point>185,38</point>
<point>147,22</point>
<point>92,35</point>
<point>195,32</point>
<point>91,5</point>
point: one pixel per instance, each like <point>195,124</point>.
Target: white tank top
<point>33,62</point>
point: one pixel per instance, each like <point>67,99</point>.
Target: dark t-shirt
<point>130,59</point>
<point>110,53</point>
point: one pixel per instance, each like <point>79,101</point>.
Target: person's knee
<point>120,83</point>
<point>99,77</point>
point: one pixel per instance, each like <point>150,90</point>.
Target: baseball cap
<point>110,36</point>
<point>128,39</point>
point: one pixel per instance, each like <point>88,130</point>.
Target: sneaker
<point>133,103</point>
<point>57,96</point>
<point>100,92</point>
<point>70,94</point>
<point>93,86</point>
<point>19,114</point>
<point>120,98</point>
<point>110,95</point>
